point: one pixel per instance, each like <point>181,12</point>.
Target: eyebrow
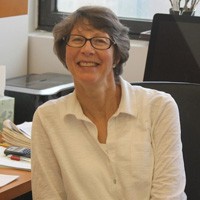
<point>95,35</point>
<point>95,31</point>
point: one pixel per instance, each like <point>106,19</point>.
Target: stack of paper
<point>17,135</point>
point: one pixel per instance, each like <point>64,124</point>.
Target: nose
<point>88,48</point>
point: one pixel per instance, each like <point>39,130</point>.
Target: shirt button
<point>114,181</point>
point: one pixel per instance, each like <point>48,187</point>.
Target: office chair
<point>187,97</point>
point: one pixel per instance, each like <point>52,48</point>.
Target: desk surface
<point>18,187</point>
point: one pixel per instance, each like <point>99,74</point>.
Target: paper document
<point>7,162</point>
<point>5,179</point>
<point>24,128</point>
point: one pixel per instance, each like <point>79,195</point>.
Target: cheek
<point>112,55</point>
<point>110,58</point>
<point>69,57</point>
<point>69,61</point>
<point>67,54</point>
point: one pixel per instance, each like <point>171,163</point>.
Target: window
<point>143,9</point>
<point>136,14</point>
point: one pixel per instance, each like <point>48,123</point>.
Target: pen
<point>19,158</point>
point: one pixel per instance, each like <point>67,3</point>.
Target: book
<point>17,135</point>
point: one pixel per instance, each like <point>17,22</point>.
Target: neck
<point>99,102</point>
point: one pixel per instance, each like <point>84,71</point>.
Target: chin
<point>89,80</point>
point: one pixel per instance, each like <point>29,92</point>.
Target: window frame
<point>48,16</point>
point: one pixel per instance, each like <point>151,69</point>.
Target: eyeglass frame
<point>66,39</point>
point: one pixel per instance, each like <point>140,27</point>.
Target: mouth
<point>87,64</point>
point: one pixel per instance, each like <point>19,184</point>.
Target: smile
<point>87,64</point>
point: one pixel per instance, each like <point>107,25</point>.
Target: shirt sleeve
<point>169,174</point>
<point>46,177</point>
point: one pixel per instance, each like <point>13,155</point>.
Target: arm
<point>46,178</point>
<point>169,174</point>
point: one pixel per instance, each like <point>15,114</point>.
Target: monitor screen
<point>174,49</point>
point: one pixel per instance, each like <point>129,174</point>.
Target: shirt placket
<point>110,151</point>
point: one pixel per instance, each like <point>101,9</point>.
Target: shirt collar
<point>128,99</point>
<point>72,107</point>
<point>127,104</point>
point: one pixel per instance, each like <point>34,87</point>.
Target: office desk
<point>18,187</point>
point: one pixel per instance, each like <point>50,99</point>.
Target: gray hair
<point>100,18</point>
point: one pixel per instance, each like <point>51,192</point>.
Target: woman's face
<point>87,64</point>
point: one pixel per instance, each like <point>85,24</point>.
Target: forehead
<point>85,26</point>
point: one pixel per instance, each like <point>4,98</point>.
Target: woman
<point>107,140</point>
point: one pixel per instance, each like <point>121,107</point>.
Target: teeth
<point>87,64</point>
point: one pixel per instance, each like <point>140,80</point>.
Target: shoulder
<point>151,95</point>
<point>55,105</point>
<point>145,101</point>
<point>144,94</point>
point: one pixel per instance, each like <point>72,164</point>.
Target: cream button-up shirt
<point>141,160</point>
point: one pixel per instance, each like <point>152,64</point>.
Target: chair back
<point>173,52</point>
<point>187,97</point>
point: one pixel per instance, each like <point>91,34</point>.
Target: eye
<point>76,39</point>
<point>101,41</point>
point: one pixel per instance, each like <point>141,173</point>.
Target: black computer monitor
<point>174,49</point>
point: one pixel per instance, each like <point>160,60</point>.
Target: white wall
<point>14,44</point>
<point>134,68</point>
<point>41,56</point>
